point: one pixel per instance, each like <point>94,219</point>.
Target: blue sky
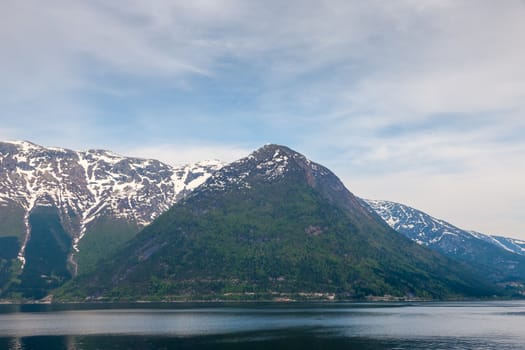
<point>420,102</point>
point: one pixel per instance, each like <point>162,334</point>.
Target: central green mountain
<point>269,226</point>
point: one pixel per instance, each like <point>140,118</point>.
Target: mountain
<point>501,259</point>
<point>272,225</point>
<point>61,210</point>
<point>511,244</point>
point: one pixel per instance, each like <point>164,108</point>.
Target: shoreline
<point>261,301</point>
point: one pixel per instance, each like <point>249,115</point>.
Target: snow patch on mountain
<point>276,166</point>
<point>430,231</point>
<point>511,244</point>
<point>86,185</point>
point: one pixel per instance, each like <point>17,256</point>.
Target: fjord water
<point>458,325</point>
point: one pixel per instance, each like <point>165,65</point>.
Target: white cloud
<point>471,183</point>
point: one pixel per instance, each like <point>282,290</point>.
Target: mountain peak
<point>23,145</point>
<point>271,224</point>
<point>273,164</point>
<point>272,149</point>
<point>268,164</point>
<point>283,156</point>
<point>272,154</point>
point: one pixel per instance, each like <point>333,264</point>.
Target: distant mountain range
<point>499,258</point>
<point>272,225</point>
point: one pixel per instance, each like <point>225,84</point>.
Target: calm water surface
<point>465,325</point>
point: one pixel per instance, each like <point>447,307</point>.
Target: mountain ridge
<point>272,225</point>
<point>92,192</point>
<point>501,259</point>
<point>90,203</point>
<point>401,222</point>
<point>101,168</point>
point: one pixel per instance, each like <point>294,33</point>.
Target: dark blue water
<point>465,325</point>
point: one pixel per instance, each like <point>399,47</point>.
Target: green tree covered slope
<point>273,225</point>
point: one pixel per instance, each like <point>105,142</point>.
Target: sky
<point>416,101</point>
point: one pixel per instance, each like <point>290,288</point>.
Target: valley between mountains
<point>94,225</point>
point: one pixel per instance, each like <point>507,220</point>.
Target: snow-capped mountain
<point>503,258</point>
<point>421,227</point>
<point>430,231</point>
<point>511,244</point>
<point>85,186</point>
<point>272,163</point>
<point>272,225</point>
<point>63,211</point>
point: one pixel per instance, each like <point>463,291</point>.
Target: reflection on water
<point>483,325</point>
<point>289,340</point>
